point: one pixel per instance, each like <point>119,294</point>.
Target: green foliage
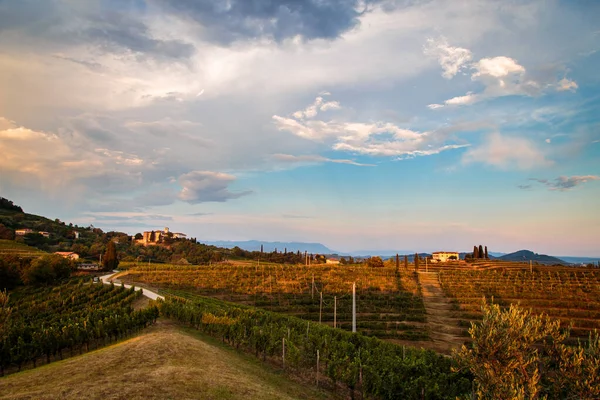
<point>6,204</point>
<point>517,355</point>
<point>370,366</point>
<point>46,270</point>
<point>110,261</point>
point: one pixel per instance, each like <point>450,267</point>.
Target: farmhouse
<point>445,256</point>
<point>332,261</point>
<point>68,254</point>
<point>23,232</point>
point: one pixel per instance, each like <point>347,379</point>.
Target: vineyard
<point>10,247</point>
<point>389,304</point>
<point>44,322</point>
<point>571,295</point>
<point>357,363</point>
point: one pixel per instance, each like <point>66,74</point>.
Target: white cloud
<point>205,186</point>
<point>566,84</point>
<point>506,152</point>
<point>318,105</point>
<point>435,106</point>
<point>497,67</point>
<point>469,98</point>
<point>548,140</point>
<point>452,59</point>
<point>373,138</point>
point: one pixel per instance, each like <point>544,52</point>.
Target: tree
<point>6,233</point>
<point>46,270</point>
<point>416,261</point>
<point>475,252</point>
<point>517,355</point>
<point>480,252</point>
<point>486,254</point>
<point>152,237</point>
<point>110,260</point>
<point>138,236</point>
<point>405,261</point>
<point>375,262</point>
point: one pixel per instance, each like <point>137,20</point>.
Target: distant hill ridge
<point>527,255</point>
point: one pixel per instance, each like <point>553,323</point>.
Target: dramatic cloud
<point>373,139</point>
<point>507,152</point>
<point>452,59</point>
<point>205,186</point>
<point>565,183</point>
<point>237,20</point>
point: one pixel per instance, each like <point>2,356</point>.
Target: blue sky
<point>419,125</point>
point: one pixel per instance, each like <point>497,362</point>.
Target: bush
<point>46,269</point>
<point>517,355</point>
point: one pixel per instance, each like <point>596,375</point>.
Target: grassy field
<point>164,362</point>
<point>19,249</point>
<point>388,306</point>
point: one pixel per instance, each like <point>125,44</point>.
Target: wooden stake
<point>354,307</point>
<point>334,312</point>
<point>283,353</point>
<point>317,367</point>
<point>320,307</point>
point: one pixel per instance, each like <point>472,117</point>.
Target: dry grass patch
<point>165,362</point>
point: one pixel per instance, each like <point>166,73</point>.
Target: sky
<point>361,124</point>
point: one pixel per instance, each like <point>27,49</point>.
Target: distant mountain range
<point>254,245</point>
<point>318,248</point>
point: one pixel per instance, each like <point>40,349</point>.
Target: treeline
<point>6,204</point>
<point>479,252</point>
<point>42,323</point>
<point>48,269</point>
<point>361,364</point>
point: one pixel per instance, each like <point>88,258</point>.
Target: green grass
<point>20,249</point>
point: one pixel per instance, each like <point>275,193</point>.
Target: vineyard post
<point>283,353</point>
<point>307,329</point>
<point>320,306</point>
<point>426,270</point>
<point>312,293</point>
<point>334,312</point>
<point>317,367</point>
<point>354,307</point>
<point>530,266</point>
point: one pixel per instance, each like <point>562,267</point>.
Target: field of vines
<point>389,304</point>
<point>571,295</point>
<point>45,322</point>
<point>354,362</point>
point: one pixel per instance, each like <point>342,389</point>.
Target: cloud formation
<point>507,152</point>
<point>565,183</point>
<point>239,20</point>
<point>310,159</point>
<point>501,76</point>
<point>452,59</point>
<point>373,138</point>
<point>206,186</point>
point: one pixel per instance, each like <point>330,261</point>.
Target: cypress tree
<point>261,249</point>
<point>397,262</point>
<point>110,260</point>
<point>475,252</point>
<point>486,254</point>
<point>480,251</point>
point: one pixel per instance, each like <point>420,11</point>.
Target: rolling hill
<point>527,255</point>
<point>166,361</point>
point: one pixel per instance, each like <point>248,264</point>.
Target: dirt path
<point>445,332</point>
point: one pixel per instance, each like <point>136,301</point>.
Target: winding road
<point>107,279</point>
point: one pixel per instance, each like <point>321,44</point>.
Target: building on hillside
<point>68,254</point>
<point>88,267</point>
<point>444,256</point>
<point>76,235</point>
<point>153,237</point>
<point>332,261</point>
<point>23,232</point>
<point>44,234</point>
